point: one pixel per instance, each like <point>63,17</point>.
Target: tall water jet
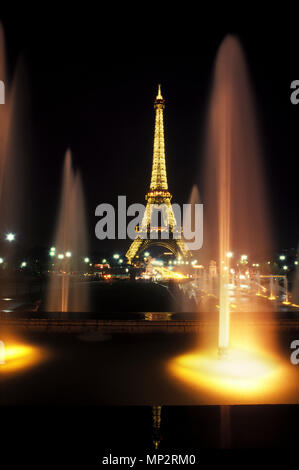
<point>13,153</point>
<point>236,215</point>
<point>5,110</point>
<point>70,246</point>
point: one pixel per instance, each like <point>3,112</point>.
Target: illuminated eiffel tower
<point>158,197</point>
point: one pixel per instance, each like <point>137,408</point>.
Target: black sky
<point>90,86</point>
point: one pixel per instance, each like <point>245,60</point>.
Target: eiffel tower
<point>158,197</point>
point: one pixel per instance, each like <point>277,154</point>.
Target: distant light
<point>229,254</point>
<point>282,257</point>
<point>146,254</point>
<point>61,256</point>
<point>23,264</point>
<point>296,262</point>
<point>1,260</point>
<point>90,264</point>
<point>52,248</point>
<point>68,254</point>
<point>10,237</point>
<point>52,253</point>
<point>116,256</point>
<point>269,262</point>
<point>86,260</point>
<point>104,261</point>
<point>121,261</point>
<point>244,257</point>
<point>285,268</point>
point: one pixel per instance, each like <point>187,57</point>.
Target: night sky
<point>90,86</point>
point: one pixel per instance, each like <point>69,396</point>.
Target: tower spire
<point>159,177</point>
<point>159,95</point>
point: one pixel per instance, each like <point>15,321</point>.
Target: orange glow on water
<point>245,376</point>
<point>17,357</point>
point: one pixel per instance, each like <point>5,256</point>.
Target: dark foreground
<point>68,436</point>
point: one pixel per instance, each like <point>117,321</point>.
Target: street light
<point>282,257</point>
<point>23,264</point>
<point>104,261</point>
<point>10,237</point>
<point>1,260</point>
<point>68,254</point>
<point>229,254</point>
<point>86,260</point>
<point>116,256</point>
<point>60,256</point>
<point>146,254</point>
<point>285,268</point>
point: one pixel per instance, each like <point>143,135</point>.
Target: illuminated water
<point>65,291</point>
<point>236,215</point>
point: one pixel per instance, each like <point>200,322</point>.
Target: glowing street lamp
<point>296,262</point>
<point>86,260</point>
<point>282,257</point>
<point>104,261</point>
<point>116,256</point>
<point>10,237</point>
<point>229,254</point>
<point>285,268</point>
<point>146,254</point>
<point>23,264</point>
<point>68,254</point>
<point>1,260</point>
<point>121,261</point>
<point>244,257</point>
<point>61,256</point>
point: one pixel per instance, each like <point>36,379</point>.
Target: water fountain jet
<point>71,245</point>
<point>232,169</point>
